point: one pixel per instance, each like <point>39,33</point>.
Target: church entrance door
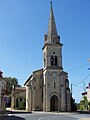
<point>54,103</point>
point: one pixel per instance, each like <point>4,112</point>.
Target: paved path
<point>45,116</point>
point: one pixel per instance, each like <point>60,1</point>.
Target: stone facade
<point>34,89</point>
<point>2,91</point>
<point>18,95</point>
<point>47,89</point>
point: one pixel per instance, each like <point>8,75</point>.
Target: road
<point>45,116</point>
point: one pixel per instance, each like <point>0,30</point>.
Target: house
<point>18,95</point>
<point>87,92</point>
<point>2,91</point>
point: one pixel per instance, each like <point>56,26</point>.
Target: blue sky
<point>23,24</point>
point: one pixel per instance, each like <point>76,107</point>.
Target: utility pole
<point>84,87</point>
<point>89,61</point>
<point>1,77</point>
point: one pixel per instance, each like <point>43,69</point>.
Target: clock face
<point>54,74</point>
<point>48,74</point>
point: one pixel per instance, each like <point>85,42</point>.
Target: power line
<point>78,67</point>
<point>82,80</point>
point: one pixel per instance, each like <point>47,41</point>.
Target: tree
<point>83,105</point>
<point>89,105</point>
<point>22,105</point>
<point>73,105</point>
<point>10,83</point>
<point>85,102</point>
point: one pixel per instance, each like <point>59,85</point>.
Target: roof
<point>27,80</point>
<point>85,93</point>
<point>52,31</point>
<point>38,70</point>
<point>32,75</point>
<point>19,90</point>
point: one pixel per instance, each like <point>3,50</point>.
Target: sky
<point>23,24</point>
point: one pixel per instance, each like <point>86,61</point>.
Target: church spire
<point>52,36</point>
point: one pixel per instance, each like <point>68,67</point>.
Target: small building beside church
<point>18,95</point>
<point>47,89</point>
<point>87,92</point>
<point>3,91</point>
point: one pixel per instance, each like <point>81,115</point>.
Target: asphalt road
<point>44,116</point>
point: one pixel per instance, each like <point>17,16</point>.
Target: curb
<point>84,119</point>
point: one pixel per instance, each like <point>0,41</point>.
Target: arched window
<point>54,85</point>
<point>55,60</point>
<point>52,60</point>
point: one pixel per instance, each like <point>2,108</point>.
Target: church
<point>47,89</point>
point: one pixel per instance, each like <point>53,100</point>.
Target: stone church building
<point>47,89</point>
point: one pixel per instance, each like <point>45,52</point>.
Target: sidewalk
<point>84,119</point>
<point>84,112</point>
<point>12,111</point>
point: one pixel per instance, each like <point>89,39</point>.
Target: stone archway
<point>54,103</point>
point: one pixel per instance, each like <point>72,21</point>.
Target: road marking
<point>79,116</point>
<point>41,118</point>
<point>9,114</point>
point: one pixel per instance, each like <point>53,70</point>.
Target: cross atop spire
<point>51,2</point>
<point>52,36</point>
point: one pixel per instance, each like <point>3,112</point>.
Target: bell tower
<point>52,47</point>
<point>52,67</point>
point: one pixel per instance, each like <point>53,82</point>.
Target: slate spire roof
<point>52,31</point>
